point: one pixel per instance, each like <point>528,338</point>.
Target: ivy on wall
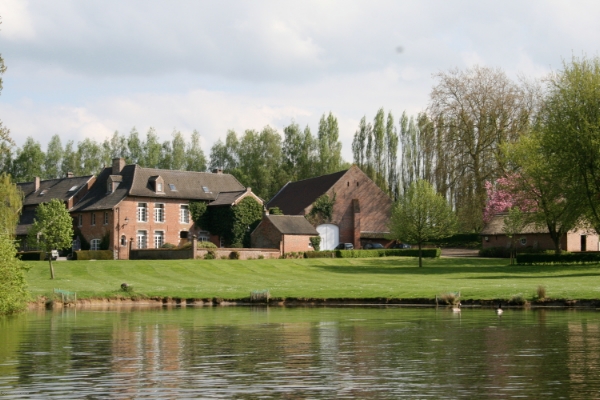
<point>322,210</point>
<point>233,224</point>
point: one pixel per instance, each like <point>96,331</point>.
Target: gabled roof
<point>61,188</point>
<point>294,197</point>
<point>292,225</point>
<point>139,181</point>
<point>496,226</point>
<point>232,198</point>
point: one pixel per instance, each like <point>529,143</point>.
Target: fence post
<point>194,246</point>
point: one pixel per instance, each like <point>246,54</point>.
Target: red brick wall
<point>572,242</point>
<point>295,243</point>
<point>265,236</point>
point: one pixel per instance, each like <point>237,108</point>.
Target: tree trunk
<point>51,268</point>
<point>420,255</point>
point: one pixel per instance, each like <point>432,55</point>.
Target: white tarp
<point>330,236</point>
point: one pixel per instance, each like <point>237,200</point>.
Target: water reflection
<point>300,353</point>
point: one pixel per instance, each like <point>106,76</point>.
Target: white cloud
<point>16,20</point>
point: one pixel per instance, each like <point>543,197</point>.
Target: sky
<point>85,69</point>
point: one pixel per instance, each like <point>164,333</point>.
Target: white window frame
<point>105,217</point>
<point>184,213</point>
<point>123,240</point>
<point>159,212</point>
<point>159,239</point>
<point>159,187</point>
<point>95,244</point>
<point>142,239</point>
<point>142,212</point>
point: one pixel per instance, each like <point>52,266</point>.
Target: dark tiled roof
<point>227,198</point>
<point>98,199</point>
<point>138,181</point>
<point>292,225</point>
<point>496,226</point>
<point>294,197</point>
<point>186,184</point>
<point>52,189</point>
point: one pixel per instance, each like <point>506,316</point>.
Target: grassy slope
<point>317,278</point>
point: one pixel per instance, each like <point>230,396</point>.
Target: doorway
<point>583,242</point>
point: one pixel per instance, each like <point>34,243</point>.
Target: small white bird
<point>499,309</point>
<point>456,308</point>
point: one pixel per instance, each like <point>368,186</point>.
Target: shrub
<point>428,253</point>
<point>185,246</point>
<point>237,245</point>
<point>315,242</point>
<point>206,245</point>
<point>320,254</point>
<point>93,255</point>
<point>234,255</point>
<point>541,292</point>
<point>261,257</point>
<point>518,299</point>
<point>450,298</point>
<point>563,258</point>
<point>168,246</point>
<point>293,254</point>
<point>31,255</point>
<point>495,252</point>
<point>126,287</point>
<point>210,255</point>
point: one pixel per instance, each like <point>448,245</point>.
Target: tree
<point>330,148</point>
<point>421,215</point>
<point>52,228</point>
<point>10,208</point>
<point>195,159</point>
<point>29,161</point>
<point>570,132</point>
<point>178,157</point>
<point>135,150</point>
<point>514,223</point>
<point>54,156</point>
<point>152,150</point>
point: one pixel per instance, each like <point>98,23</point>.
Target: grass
<point>478,279</point>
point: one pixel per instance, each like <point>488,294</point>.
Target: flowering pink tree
<point>506,193</point>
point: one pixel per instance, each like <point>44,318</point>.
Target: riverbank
<point>393,280</point>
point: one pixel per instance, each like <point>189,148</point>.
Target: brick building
<point>288,233</point>
<point>130,206</point>
<point>536,237</point>
<point>361,211</point>
<point>69,190</point>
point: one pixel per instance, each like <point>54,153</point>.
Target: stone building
<point>361,210</point>
<point>288,233</point>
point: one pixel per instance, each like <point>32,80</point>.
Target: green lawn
<point>317,278</point>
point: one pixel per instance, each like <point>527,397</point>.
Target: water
<point>300,353</point>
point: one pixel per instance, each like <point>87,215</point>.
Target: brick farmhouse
<point>537,237</point>
<point>134,207</point>
<point>361,210</point>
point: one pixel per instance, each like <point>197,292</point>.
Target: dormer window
<point>172,187</point>
<point>43,192</point>
<point>157,183</point>
<point>73,188</point>
<point>159,187</point>
<point>206,190</point>
<point>113,183</point>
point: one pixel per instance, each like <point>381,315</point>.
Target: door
<point>330,236</point>
<point>583,243</point>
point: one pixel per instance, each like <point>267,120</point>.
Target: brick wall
<point>265,236</point>
<point>296,243</point>
<point>572,241</point>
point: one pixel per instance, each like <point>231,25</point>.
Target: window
<point>123,240</point>
<point>523,241</point>
<point>95,244</point>
<point>159,239</point>
<point>105,217</point>
<point>159,212</point>
<point>184,214</point>
<point>80,220</point>
<point>93,219</point>
<point>205,189</point>
<point>142,239</point>
<point>172,187</point>
<point>142,212</point>
<point>43,192</point>
<point>73,188</point>
<point>159,187</point>
<point>183,235</point>
<point>203,236</point>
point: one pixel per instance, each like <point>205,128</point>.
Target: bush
<point>495,252</point>
<point>206,245</point>
<point>563,258</point>
<point>237,245</point>
<point>168,246</point>
<point>320,254</point>
<point>93,255</point>
<point>315,242</point>
<point>518,299</point>
<point>31,255</point>
<point>210,255</point>
<point>234,255</point>
<point>293,254</point>
<point>541,292</point>
<point>427,253</point>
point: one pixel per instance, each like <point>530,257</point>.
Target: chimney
<point>117,165</point>
<point>36,183</point>
<point>69,174</point>
<point>217,171</point>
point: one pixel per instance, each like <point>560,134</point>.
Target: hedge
<point>31,255</point>
<point>564,258</point>
<point>428,253</point>
<point>320,254</point>
<point>93,255</point>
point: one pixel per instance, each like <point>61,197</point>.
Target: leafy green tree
<point>13,288</point>
<point>152,150</point>
<point>514,223</point>
<point>166,155</point>
<point>52,228</point>
<point>29,161</point>
<point>292,150</point>
<point>195,159</point>
<point>70,163</point>
<point>570,132</point>
<point>391,144</point>
<point>224,155</point>
<point>89,155</point>
<point>135,150</point>
<point>54,156</point>
<point>379,160</point>
<point>421,215</point>
<point>330,148</point>
<point>178,159</point>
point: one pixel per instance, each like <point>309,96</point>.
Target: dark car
<point>401,246</point>
<point>369,246</point>
<point>345,246</point>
